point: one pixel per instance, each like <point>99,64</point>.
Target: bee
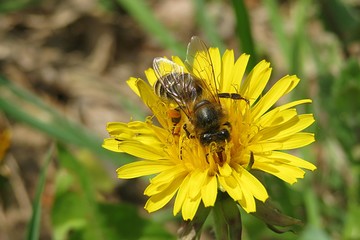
<point>195,94</point>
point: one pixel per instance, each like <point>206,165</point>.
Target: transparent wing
<point>163,67</point>
<point>199,63</point>
<point>173,80</point>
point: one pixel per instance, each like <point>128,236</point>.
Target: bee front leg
<point>188,134</point>
<point>234,96</point>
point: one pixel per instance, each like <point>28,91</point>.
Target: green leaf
<point>118,221</point>
<point>351,229</point>
<point>78,215</point>
<point>68,214</point>
<point>272,216</point>
<point>34,224</point>
<point>94,228</point>
<point>122,221</point>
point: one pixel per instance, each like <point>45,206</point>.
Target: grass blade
<point>34,224</point>
<point>207,24</point>
<point>244,31</point>
<point>278,28</point>
<point>143,15</point>
<point>25,107</point>
<point>297,43</point>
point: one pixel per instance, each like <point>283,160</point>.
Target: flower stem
<point>227,218</point>
<point>192,229</point>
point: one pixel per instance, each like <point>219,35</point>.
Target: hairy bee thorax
<point>210,123</point>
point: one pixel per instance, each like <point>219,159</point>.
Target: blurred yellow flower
<point>191,172</point>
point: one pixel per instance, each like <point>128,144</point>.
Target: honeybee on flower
<point>195,97</point>
<point>216,126</point>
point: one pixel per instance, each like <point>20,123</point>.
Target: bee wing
<point>171,77</point>
<point>163,67</point>
<point>169,74</point>
<point>199,63</point>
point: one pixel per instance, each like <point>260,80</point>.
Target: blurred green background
<point>63,67</point>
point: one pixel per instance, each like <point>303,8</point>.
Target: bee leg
<point>181,152</point>
<point>206,157</point>
<point>181,149</point>
<point>188,134</point>
<point>234,96</point>
<point>175,116</point>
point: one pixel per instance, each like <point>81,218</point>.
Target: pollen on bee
<point>175,115</point>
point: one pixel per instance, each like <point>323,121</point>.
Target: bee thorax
<point>207,116</point>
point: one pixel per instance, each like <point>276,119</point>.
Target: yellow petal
<point>157,106</point>
<point>281,114</point>
<point>251,184</point>
<point>181,195</point>
<point>294,103</point>
<point>132,84</point>
<point>216,61</point>
<point>265,146</point>
<point>227,68</point>
<point>112,145</point>
<point>135,131</point>
<point>209,191</point>
<point>141,150</point>
<point>231,186</point>
<point>276,117</point>
<point>256,81</point>
<point>238,72</point>
<point>287,173</point>
<point>294,125</point>
<point>143,168</point>
<point>297,140</point>
<point>225,170</point>
<point>159,200</point>
<point>116,128</point>
<point>247,202</point>
<point>151,76</point>
<point>164,179</point>
<point>291,160</point>
<point>190,207</point>
<point>197,179</point>
<point>280,88</point>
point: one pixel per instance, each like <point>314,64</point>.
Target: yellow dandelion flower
<point>192,171</point>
